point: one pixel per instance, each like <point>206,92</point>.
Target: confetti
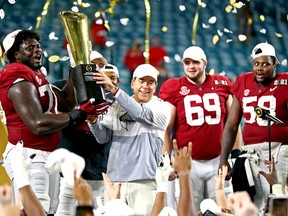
<point>177,58</point>
<point>54,58</point>
<point>215,39</point>
<point>164,29</point>
<point>219,33</point>
<point>229,40</point>
<point>263,31</point>
<point>227,31</point>
<point>205,26</point>
<point>284,62</point>
<point>238,5</point>
<point>262,18</point>
<point>203,5</point>
<point>279,35</point>
<point>52,36</point>
<point>182,7</point>
<point>212,20</point>
<point>167,59</point>
<point>2,14</point>
<point>64,58</point>
<point>228,9</point>
<point>124,21</point>
<point>212,71</point>
<point>109,43</point>
<point>242,37</point>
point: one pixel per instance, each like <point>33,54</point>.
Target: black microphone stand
<point>269,143</point>
<point>277,121</point>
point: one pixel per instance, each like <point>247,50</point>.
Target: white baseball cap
<point>209,204</point>
<point>264,49</point>
<point>8,42</point>
<point>195,53</point>
<point>97,55</point>
<point>145,70</point>
<point>112,68</point>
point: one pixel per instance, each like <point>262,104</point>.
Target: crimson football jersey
<point>273,97</point>
<point>201,112</point>
<point>17,130</point>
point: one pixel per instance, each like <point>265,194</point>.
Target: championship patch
<point>184,90</point>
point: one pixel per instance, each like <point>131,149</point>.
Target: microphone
<point>265,114</point>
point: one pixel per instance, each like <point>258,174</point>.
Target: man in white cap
<point>30,103</point>
<point>136,126</point>
<point>200,103</point>
<point>267,90</point>
<point>81,141</point>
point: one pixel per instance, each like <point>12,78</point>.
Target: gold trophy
<point>76,31</point>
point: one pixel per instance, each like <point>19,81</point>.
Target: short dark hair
<point>22,35</point>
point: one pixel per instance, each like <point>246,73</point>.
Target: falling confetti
<point>203,5</point>
<point>219,33</point>
<point>212,71</point>
<point>215,39</point>
<point>182,7</point>
<point>205,26</point>
<point>212,20</point>
<point>177,57</point>
<point>228,9</point>
<point>64,58</point>
<point>54,58</point>
<point>227,31</point>
<point>279,35</point>
<point>52,36</point>
<point>229,41</point>
<point>284,62</point>
<point>124,21</point>
<point>238,5</point>
<point>263,31</point>
<point>262,18</point>
<point>2,14</point>
<point>242,37</point>
<point>164,29</point>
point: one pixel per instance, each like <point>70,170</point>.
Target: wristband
<point>161,162</point>
<point>77,117</point>
<point>84,209</point>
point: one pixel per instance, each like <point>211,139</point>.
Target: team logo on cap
<point>184,90</point>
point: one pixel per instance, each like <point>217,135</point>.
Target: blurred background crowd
<point>226,30</point>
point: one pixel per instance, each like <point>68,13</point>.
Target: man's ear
<point>17,55</point>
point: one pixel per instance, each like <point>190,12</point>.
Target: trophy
<point>76,31</point>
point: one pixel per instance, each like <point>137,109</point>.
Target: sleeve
<point>157,117</point>
<point>235,88</point>
<point>100,132</point>
<point>165,92</point>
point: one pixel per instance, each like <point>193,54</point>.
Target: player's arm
<point>238,140</point>
<point>167,145</point>
<point>24,97</point>
<point>230,132</point>
<point>31,202</point>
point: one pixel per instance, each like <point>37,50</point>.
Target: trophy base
<point>84,85</point>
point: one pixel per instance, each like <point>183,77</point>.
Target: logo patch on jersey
<point>272,89</point>
<point>184,90</point>
<point>280,82</point>
<point>220,82</point>
<point>246,92</point>
<point>38,80</point>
